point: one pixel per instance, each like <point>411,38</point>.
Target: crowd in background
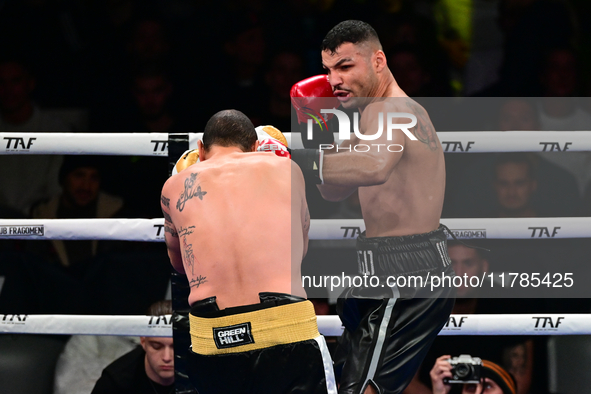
<point>168,65</point>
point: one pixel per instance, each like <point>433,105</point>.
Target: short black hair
<point>352,31</point>
<point>160,308</point>
<point>229,128</point>
<point>517,158</point>
<point>73,162</point>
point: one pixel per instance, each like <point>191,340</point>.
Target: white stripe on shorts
<point>377,350</point>
<point>331,384</point>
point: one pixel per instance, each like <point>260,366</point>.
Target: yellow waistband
<point>253,330</point>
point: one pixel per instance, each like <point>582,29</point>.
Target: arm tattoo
<point>171,230</point>
<point>166,216</point>
<point>191,190</point>
<point>424,130</point>
<point>186,230</point>
<point>189,256</point>
<point>198,281</point>
<point>165,201</point>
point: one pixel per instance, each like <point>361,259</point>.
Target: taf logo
<point>13,319</point>
<point>156,320</point>
<point>232,336</point>
<point>354,231</point>
<point>160,146</point>
<point>455,322</point>
<point>547,323</point>
<point>159,228</point>
<point>456,146</point>
<point>541,231</point>
<point>16,143</point>
<point>555,146</point>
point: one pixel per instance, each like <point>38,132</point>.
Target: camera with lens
<point>465,369</point>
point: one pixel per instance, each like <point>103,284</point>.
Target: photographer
<point>493,379</point>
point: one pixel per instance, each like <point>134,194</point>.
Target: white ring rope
<point>156,144</point>
<point>550,324</point>
<point>152,230</point>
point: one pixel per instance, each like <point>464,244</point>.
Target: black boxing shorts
<point>389,328</point>
<point>271,347</point>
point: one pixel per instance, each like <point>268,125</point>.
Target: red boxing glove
<point>310,96</point>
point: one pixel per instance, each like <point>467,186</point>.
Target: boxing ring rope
<point>156,144</point>
<point>152,230</point>
<point>535,324</point>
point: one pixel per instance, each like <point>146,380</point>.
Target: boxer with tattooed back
<point>237,225</point>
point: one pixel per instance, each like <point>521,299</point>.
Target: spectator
<point>148,43</point>
<point>285,69</point>
<point>49,34</point>
<point>561,111</point>
<point>81,197</point>
<point>518,114</point>
<point>470,262</point>
<point>152,93</point>
<point>530,28</point>
<point>494,379</point>
<point>514,185</point>
<point>142,52</point>
<point>83,359</point>
<point>148,369</point>
<point>243,85</point>
<point>475,261</point>
<point>413,73</point>
<point>25,179</point>
<point>409,33</point>
<point>515,353</point>
<point>472,192</point>
<point>559,76</point>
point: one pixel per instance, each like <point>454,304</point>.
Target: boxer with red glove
<point>309,97</point>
